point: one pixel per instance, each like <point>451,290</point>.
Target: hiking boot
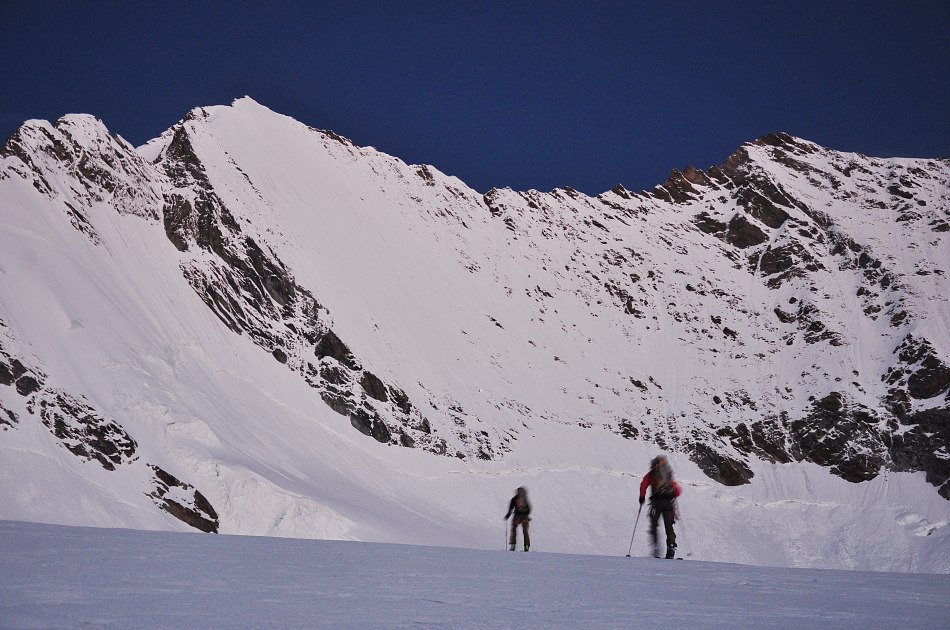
<point>526,547</point>
<point>511,547</point>
<point>670,552</point>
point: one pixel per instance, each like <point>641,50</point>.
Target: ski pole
<point>637,522</point>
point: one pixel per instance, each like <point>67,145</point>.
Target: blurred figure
<point>663,493</point>
<point>522,509</point>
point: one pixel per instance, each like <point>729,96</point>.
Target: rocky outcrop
<point>919,370</point>
<point>726,470</point>
<point>8,418</point>
<point>82,430</point>
<point>105,166</point>
<point>841,436</point>
<point>921,441</point>
<point>16,377</point>
<point>182,501</point>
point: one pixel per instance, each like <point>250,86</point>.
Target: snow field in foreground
<point>54,576</point>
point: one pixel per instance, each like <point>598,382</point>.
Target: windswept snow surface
<point>68,577</point>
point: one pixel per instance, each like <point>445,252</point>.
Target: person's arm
<point>677,489</point>
<point>643,487</point>
<point>511,507</point>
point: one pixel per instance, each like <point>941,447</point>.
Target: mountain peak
<point>275,332</point>
<point>247,101</point>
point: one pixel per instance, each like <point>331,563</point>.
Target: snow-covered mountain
<point>248,325</point>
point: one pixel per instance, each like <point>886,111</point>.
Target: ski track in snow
<point>69,577</point>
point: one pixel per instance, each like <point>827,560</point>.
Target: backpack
<point>662,479</point>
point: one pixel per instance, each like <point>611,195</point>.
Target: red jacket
<point>648,480</point>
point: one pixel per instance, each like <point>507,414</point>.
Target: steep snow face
<point>251,326</point>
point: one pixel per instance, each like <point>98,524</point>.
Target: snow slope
<point>254,327</point>
<point>52,577</point>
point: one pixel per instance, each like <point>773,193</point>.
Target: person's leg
<point>654,523</point>
<point>670,534</point>
<point>524,530</point>
<point>514,534</point>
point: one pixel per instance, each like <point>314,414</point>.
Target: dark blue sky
<point>521,94</point>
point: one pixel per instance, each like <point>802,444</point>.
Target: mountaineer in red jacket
<point>664,491</point>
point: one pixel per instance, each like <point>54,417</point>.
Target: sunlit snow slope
<point>251,326</point>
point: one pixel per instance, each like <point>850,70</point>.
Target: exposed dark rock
<point>765,209</point>
<point>898,318</point>
<point>931,379</point>
<point>695,176</point>
<point>6,373</point>
<point>426,174</point>
<point>401,401</point>
<point>897,191</point>
<point>620,191</point>
<point>490,201</point>
<point>336,137</point>
<point>370,424</point>
<point>191,507</point>
<point>708,224</point>
<point>920,370</point>
<point>280,355</point>
<point>332,346</point>
<point>839,435</point>
<point>739,437</point>
<point>815,331</point>
<point>178,218</point>
<point>82,224</point>
<point>8,417</point>
<point>768,435</point>
<point>84,432</point>
<point>743,234</point>
<point>923,445</point>
<point>342,403</point>
<point>777,259</point>
<point>719,467</point>
<point>628,431</point>
<point>777,139</point>
<point>678,188</point>
<point>271,273</point>
<point>26,385</point>
<point>784,317</point>
<point>17,368</point>
<point>334,374</point>
<point>182,163</point>
<point>373,387</point>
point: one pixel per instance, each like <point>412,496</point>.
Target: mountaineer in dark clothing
<point>522,510</point>
<point>664,491</point>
